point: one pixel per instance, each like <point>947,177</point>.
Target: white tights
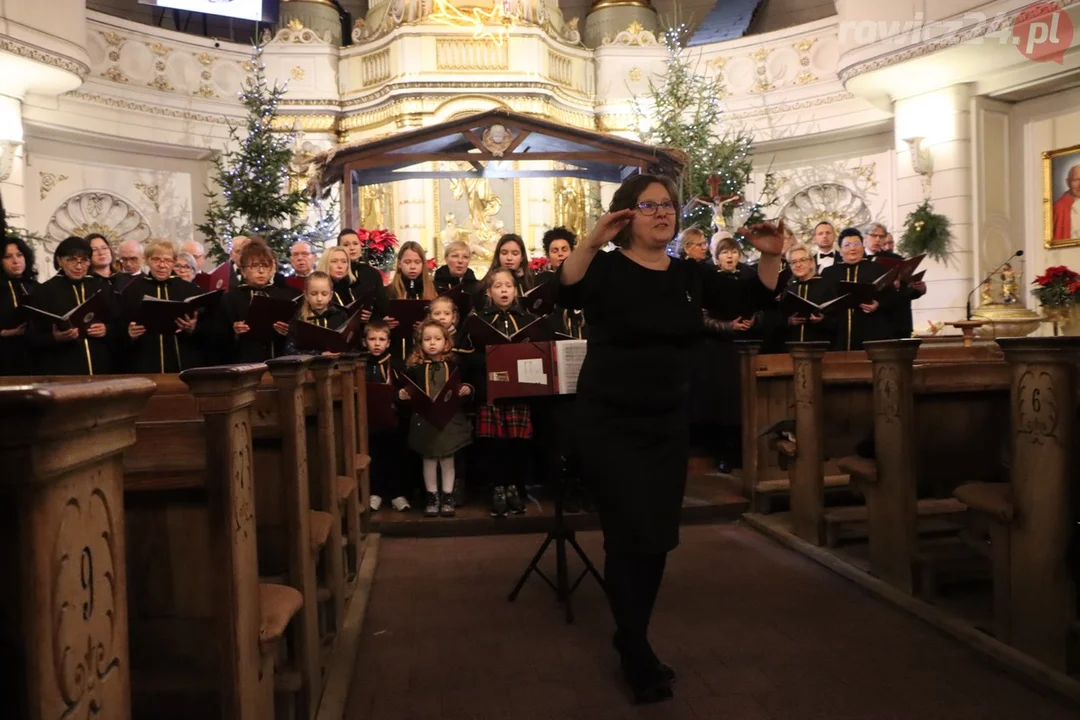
<point>431,468</point>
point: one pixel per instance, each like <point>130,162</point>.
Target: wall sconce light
<point>8,150</point>
<point>922,161</point>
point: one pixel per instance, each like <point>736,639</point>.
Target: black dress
<point>14,349</point>
<point>85,355</point>
<point>234,308</point>
<point>155,352</point>
<point>854,327</point>
<point>644,326</point>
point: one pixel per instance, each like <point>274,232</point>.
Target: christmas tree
<point>683,111</point>
<point>253,177</point>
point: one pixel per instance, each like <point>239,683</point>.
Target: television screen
<point>254,10</point>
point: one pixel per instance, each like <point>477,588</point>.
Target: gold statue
<point>986,293</point>
<point>570,205</point>
<point>483,207</point>
<point>373,202</point>
<point>449,234</point>
<point>1009,289</point>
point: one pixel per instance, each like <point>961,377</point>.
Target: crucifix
<point>714,191</point>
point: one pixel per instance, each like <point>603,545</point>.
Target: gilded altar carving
<point>84,608</point>
<point>375,206</point>
<point>570,204</point>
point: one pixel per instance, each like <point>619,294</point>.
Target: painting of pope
<point>1061,196</point>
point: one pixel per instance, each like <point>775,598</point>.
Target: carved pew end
<point>321,522</point>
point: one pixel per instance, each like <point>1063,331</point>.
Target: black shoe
<point>513,500</point>
<point>431,507</point>
<point>446,509</point>
<point>498,502</point>
<point>665,671</point>
<point>645,681</point>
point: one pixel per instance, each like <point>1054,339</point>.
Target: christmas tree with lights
<point>682,110</point>
<point>253,195</point>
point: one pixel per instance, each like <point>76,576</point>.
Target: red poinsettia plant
<point>379,247</point>
<point>432,264</point>
<point>1058,287</point>
<point>538,264</point>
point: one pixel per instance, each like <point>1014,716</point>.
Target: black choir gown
<point>369,281</point>
<point>817,290</point>
<point>234,308</point>
<point>84,356</point>
<point>444,281</point>
<point>332,318</point>
<point>15,349</point>
<point>644,326</point>
<point>854,327</point>
<point>155,352</point>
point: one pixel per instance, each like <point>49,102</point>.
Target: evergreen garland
<point>684,112</point>
<point>253,176</point>
<point>927,232</point>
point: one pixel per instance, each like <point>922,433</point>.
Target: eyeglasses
<point>183,268</point>
<point>878,235</point>
<point>162,260</point>
<point>800,261</point>
<point>649,207</point>
<point>258,267</point>
<point>76,260</point>
<point>855,244</point>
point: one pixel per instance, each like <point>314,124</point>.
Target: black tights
<point>632,581</point>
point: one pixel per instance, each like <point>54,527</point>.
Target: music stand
<point>563,536</point>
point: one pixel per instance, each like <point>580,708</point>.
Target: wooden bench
<point>65,623</point>
<point>1032,518</point>
<point>768,396</point>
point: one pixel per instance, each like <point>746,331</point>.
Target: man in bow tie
<point>825,240</point>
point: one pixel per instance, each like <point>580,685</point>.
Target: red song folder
<point>440,409</point>
<point>382,405</point>
<point>905,268</point>
<point>541,299</point>
<point>408,313</point>
<point>264,311</point>
<point>97,309</point>
<point>484,333</point>
<point>534,369</point>
<point>217,280</point>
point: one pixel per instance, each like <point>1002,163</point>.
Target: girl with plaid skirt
<point>502,429</point>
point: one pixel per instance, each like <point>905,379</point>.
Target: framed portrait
<point>1061,197</point>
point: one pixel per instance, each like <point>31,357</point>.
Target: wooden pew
<point>1033,516</point>
<point>65,620</point>
<point>348,457</point>
<point>205,630</point>
<point>363,449</point>
<point>933,427</point>
<point>768,396</point>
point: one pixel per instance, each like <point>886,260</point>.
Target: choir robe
<point>816,290</point>
<point>370,281</point>
<point>854,327</point>
<point>154,352</point>
<point>382,369</point>
<point>445,282</point>
<point>901,313</point>
<point>332,318</point>
<point>234,308</point>
<point>474,360</point>
<point>84,356</point>
<point>15,349</point>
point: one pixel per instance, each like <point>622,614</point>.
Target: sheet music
<point>531,372</point>
<point>569,355</point>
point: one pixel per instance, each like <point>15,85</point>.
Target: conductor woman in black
<point>645,319</point>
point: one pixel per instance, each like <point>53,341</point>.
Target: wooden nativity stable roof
<point>467,141</point>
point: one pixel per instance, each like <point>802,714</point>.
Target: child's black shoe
<point>513,499</point>
<point>431,507</point>
<point>498,502</point>
<point>446,509</point>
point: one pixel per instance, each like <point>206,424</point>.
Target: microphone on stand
<point>1018,253</point>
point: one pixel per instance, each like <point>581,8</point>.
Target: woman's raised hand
<point>607,227</point>
<point>766,237</point>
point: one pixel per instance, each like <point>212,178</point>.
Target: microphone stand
<point>1018,253</point>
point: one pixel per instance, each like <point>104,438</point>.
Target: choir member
<point>149,352</point>
<point>412,278</point>
<point>302,258</point>
<point>257,264</point>
<point>389,451</point>
<point>132,257</point>
<point>101,261</point>
<point>824,239</point>
<point>868,321</point>
<point>236,247</point>
<point>510,253</point>
<point>185,267</point>
<point>369,281</point>
<point>456,270</point>
<point>71,352</point>
<point>905,291</point>
<point>558,244</point>
<point>335,263</point>
<point>694,246</point>
<point>19,280</point>
<point>807,284</point>
<point>197,251</point>
<point>645,312</point>
<point>317,308</point>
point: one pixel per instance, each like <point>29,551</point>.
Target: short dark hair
<point>30,272</point>
<point>848,232</point>
<point>558,233</point>
<point>346,231</point>
<point>626,197</point>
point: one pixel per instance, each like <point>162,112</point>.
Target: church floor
<point>755,632</point>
